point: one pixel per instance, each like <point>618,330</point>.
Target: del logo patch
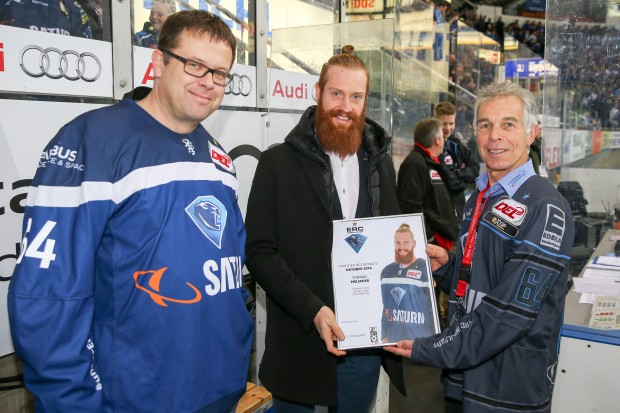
<point>435,177</point>
<point>448,160</point>
<point>356,241</point>
<point>415,274</point>
<point>209,215</point>
<point>220,158</point>
<point>510,210</point>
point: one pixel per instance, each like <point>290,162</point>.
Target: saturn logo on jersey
<point>356,241</point>
<point>153,285</point>
<point>209,215</point>
<point>220,277</point>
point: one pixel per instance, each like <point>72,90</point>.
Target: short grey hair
<point>505,89</point>
<point>426,130</point>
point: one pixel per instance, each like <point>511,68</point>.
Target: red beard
<point>344,140</point>
<point>405,260</point>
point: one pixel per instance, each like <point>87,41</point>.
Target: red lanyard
<point>468,253</point>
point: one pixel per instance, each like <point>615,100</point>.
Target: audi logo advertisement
<point>240,85</point>
<point>54,63</point>
<point>45,63</point>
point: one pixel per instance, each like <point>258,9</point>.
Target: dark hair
<point>347,60</point>
<point>426,130</point>
<point>197,23</point>
<point>445,108</point>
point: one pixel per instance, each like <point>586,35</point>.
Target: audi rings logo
<point>36,61</point>
<point>239,85</point>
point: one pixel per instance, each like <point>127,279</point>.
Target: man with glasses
<point>128,293</point>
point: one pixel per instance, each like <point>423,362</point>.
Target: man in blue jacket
<point>128,292</point>
<point>507,280</point>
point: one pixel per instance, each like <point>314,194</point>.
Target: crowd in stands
<point>531,33</point>
<point>590,75</point>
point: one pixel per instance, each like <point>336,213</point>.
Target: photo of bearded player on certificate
<point>383,287</point>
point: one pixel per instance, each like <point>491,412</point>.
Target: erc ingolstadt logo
<point>209,215</point>
<point>356,241</point>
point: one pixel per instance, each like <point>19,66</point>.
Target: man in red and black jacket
<point>422,184</point>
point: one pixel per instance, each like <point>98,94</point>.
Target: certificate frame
<point>382,293</point>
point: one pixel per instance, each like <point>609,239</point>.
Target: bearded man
<point>405,290</point>
<point>333,165</point>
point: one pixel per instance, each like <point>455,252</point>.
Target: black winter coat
<point>289,244</point>
<point>420,189</point>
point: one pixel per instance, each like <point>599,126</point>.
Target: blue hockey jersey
<point>408,311</point>
<point>501,354</point>
<point>128,293</point>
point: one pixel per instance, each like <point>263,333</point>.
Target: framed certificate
<point>383,287</point>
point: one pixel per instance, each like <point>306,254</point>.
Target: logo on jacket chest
<point>209,215</point>
<point>506,215</point>
<point>510,210</point>
<point>435,177</point>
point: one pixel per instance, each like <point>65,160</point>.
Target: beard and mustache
<point>403,259</point>
<point>344,140</point>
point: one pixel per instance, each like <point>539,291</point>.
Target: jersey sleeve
<point>531,287</point>
<point>51,294</point>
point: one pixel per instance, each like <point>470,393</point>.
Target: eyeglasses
<point>196,69</point>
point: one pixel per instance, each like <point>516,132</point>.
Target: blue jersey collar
<point>510,182</point>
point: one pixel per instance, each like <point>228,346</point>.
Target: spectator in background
<point>500,31</point>
<point>456,157</point>
<point>66,17</point>
<point>439,12</point>
<point>421,184</point>
<point>94,10</point>
<point>149,34</point>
